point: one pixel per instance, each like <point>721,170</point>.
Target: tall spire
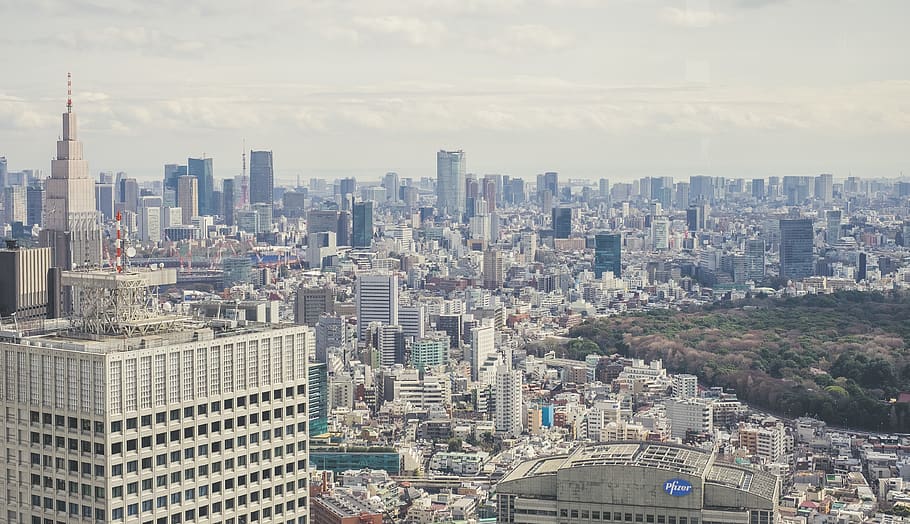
<point>69,92</point>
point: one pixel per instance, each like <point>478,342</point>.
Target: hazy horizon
<point>613,88</point>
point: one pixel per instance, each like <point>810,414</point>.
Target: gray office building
<point>451,183</point>
<point>262,177</point>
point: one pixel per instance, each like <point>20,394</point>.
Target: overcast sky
<point>589,88</point>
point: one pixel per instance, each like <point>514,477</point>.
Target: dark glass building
<point>796,258</point>
<point>201,168</point>
<point>228,202</point>
<point>362,224</point>
<point>608,254</point>
<point>262,177</point>
<point>562,222</point>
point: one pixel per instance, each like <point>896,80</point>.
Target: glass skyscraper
<point>796,236</point>
<point>450,183</point>
<point>201,168</point>
<point>363,224</point>
<point>608,254</point>
<point>562,222</point>
<point>262,177</point>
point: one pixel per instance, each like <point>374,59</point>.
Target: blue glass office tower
<point>562,222</point>
<point>201,168</point>
<point>363,225</point>
<point>608,254</point>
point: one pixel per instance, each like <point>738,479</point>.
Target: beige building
<point>200,424</point>
<point>188,197</point>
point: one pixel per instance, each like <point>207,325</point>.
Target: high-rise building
<point>171,173</point>
<point>824,188</point>
<point>331,332</point>
<point>392,185</point>
<point>150,220</point>
<point>376,301</point>
<point>4,171</point>
<point>262,177</point>
<point>34,205</point>
<point>451,325</point>
<point>129,194</point>
<point>202,169</point>
<point>188,197</point>
<point>660,233</point>
<point>701,188</point>
<point>362,213</point>
<point>608,254</point>
<point>311,303</point>
<point>507,414</point>
<point>685,386</point>
<point>347,187</point>
<point>796,253</point>
<point>492,269</point>
<point>229,201</point>
<point>483,346</point>
<point>550,181</point>
<point>144,410</point>
<point>388,341</point>
<point>104,200</point>
<point>696,216</point>
<point>659,482</point>
<point>429,351</point>
<point>15,204</point>
<point>323,221</point>
<point>318,392</point>
<point>413,319</point>
<point>682,195</point>
<point>71,222</point>
<point>689,416</point>
<point>832,226</point>
<point>23,281</point>
<point>604,188</point>
<point>758,188</point>
<point>755,259</point>
<point>451,183</point>
<point>562,222</point>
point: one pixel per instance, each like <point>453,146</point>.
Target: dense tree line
<point>842,357</point>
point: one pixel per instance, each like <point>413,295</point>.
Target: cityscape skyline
<point>663,98</point>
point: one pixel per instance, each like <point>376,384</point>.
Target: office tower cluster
<point>219,346</point>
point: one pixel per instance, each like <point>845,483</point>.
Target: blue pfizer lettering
<point>677,487</point>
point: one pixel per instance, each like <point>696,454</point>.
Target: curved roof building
<point>637,483</point>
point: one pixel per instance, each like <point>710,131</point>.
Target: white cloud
<point>698,18</point>
<point>129,39</point>
<point>18,114</point>
<point>411,30</point>
<point>516,39</point>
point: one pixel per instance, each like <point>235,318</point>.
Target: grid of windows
<point>227,459</point>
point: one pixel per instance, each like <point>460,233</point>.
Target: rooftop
<point>669,457</point>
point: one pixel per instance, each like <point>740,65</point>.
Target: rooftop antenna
<point>69,92</point>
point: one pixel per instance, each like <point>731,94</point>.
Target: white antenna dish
<point>130,252</point>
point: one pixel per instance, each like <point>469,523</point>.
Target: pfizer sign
<point>677,487</point>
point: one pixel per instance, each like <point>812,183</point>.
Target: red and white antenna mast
<point>69,92</point>
<point>119,245</point>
